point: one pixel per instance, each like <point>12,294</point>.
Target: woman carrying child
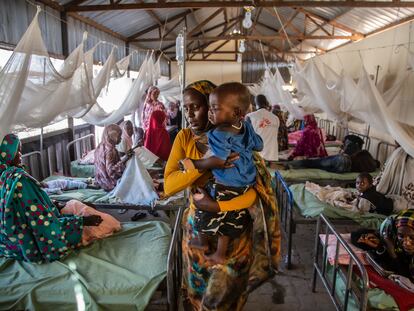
<point>226,286</point>
<point>229,103</point>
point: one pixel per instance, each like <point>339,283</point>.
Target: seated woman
<point>311,144</point>
<point>31,227</point>
<point>393,246</point>
<point>128,180</point>
<point>157,139</point>
<point>126,137</point>
<point>226,286</point>
<point>361,161</point>
<point>108,164</point>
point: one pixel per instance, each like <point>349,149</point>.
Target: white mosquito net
<point>33,93</point>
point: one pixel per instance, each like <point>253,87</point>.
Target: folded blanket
<point>336,196</point>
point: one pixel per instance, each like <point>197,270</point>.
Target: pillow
<point>88,158</point>
<point>107,227</point>
<point>343,258</point>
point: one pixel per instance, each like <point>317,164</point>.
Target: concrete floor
<point>289,290</point>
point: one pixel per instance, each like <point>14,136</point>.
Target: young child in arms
<point>229,103</point>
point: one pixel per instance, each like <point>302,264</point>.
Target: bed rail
<point>81,145</point>
<point>384,149</point>
<point>174,264</point>
<point>321,263</point>
<point>33,162</point>
<point>285,202</point>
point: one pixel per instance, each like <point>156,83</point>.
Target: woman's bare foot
<point>216,258</point>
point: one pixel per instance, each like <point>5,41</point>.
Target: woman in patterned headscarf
<point>31,227</point>
<point>151,104</point>
<point>251,258</point>
<point>397,232</point>
<point>108,164</point>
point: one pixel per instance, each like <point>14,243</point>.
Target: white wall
<point>217,72</point>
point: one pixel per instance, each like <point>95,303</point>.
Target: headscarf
<point>24,235</point>
<point>205,88</point>
<point>311,143</point>
<point>310,121</point>
<point>108,168</point>
<point>172,114</point>
<point>125,137</point>
<point>150,106</point>
<point>405,219</point>
<point>110,134</point>
<point>157,139</point>
<point>8,151</point>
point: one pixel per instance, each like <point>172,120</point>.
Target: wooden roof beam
<point>237,4</point>
<point>257,37</point>
<point>331,22</point>
<point>157,26</point>
<point>217,48</point>
<point>205,22</point>
<point>207,30</point>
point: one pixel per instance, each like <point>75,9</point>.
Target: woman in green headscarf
<point>31,227</point>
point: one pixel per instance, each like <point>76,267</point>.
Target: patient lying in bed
<point>366,200</point>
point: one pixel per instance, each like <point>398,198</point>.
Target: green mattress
<point>81,170</point>
<point>377,298</point>
<point>120,272</point>
<point>310,206</point>
<point>312,174</point>
<point>101,196</point>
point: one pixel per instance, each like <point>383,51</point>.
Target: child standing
<point>370,200</point>
<point>229,103</point>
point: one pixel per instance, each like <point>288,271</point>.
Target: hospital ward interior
<point>222,155</point>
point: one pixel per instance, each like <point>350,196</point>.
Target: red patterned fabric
<point>403,297</point>
<point>157,139</point>
<point>311,143</point>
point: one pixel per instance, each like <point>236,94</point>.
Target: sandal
<point>138,216</point>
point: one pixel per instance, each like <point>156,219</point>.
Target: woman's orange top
<point>176,180</point>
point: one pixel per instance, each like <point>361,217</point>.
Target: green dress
<point>31,227</point>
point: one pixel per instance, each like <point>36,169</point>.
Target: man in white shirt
<point>266,124</point>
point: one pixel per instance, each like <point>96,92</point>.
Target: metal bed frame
<point>174,268</point>
<point>360,294</point>
<point>80,146</point>
<point>388,149</point>
<point>290,216</point>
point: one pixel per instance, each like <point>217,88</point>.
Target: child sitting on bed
<point>370,200</point>
<point>229,103</point>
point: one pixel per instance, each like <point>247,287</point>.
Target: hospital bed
<point>81,146</point>
<point>135,269</point>
<point>345,272</point>
<point>298,207</point>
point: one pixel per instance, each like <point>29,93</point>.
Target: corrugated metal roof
<point>361,20</point>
